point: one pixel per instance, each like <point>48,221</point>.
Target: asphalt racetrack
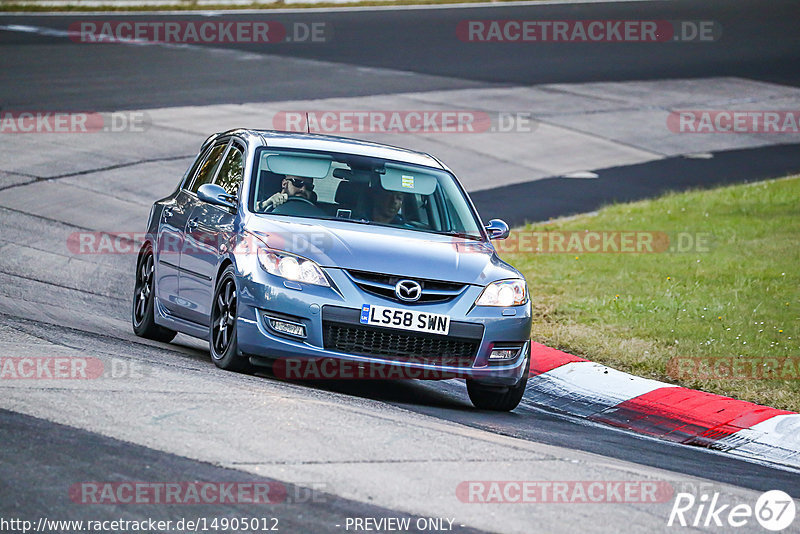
<point>344,450</point>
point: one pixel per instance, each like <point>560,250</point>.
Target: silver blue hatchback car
<point>326,257</point>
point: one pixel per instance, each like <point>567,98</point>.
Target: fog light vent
<point>504,353</point>
<point>282,326</point>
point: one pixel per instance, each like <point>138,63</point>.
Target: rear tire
<point>222,337</point>
<point>496,398</point>
<point>143,306</point>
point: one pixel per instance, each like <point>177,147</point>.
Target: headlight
<point>504,293</point>
<point>291,267</point>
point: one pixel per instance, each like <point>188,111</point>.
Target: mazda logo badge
<point>408,290</point>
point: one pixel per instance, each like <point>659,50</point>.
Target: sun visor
<point>304,166</point>
<point>408,180</point>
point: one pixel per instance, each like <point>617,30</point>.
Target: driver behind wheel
<point>291,186</point>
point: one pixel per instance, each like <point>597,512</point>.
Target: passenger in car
<point>386,206</point>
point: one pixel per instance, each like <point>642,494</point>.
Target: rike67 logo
<point>774,510</point>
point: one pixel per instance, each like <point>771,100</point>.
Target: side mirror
<point>497,229</point>
<point>216,195</point>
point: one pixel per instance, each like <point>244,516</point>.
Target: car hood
<point>385,250</point>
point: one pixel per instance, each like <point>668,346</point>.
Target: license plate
<point>418,321</point>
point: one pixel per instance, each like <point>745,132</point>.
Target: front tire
<point>499,399</point>
<point>223,340</point>
<point>143,306</point>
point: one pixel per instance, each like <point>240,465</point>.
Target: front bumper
<point>330,319</point>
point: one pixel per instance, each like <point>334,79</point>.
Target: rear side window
<point>206,172</point>
<point>232,171</point>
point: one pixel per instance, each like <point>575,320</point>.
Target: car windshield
<point>360,189</point>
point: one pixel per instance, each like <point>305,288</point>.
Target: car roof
<point>331,143</point>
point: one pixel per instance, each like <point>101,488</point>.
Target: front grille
<point>399,346</point>
<point>383,285</point>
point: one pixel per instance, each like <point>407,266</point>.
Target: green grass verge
<point>738,300</point>
<point>32,8</point>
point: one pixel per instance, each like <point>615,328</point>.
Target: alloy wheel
<point>144,287</point>
<point>224,316</point>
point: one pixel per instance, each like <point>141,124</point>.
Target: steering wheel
<point>271,207</point>
<point>300,199</point>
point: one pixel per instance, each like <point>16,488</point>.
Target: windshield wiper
<point>464,235</point>
<point>343,219</point>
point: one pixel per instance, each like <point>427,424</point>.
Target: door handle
<point>192,224</point>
